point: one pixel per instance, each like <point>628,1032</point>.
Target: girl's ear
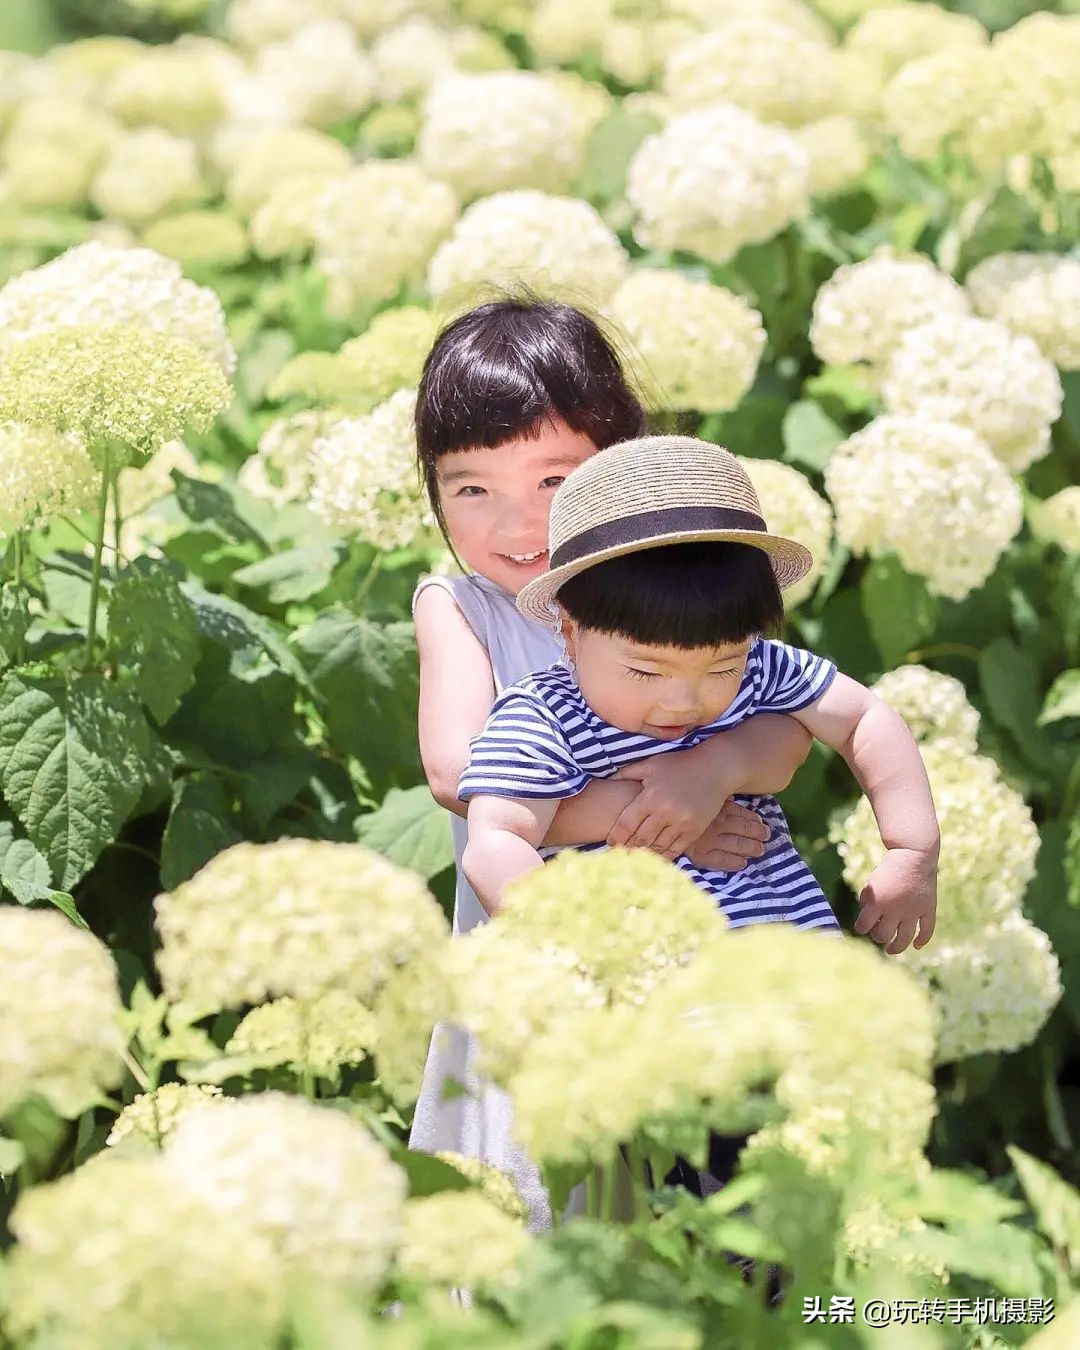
<point>568,629</point>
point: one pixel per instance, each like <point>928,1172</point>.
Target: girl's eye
<point>468,490</point>
<point>554,479</point>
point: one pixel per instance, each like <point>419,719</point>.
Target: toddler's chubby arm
<point>504,833</point>
<point>900,896</point>
<point>457,690</point>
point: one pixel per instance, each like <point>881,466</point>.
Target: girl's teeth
<point>525,557</point>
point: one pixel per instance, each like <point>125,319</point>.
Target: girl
<point>513,396</point>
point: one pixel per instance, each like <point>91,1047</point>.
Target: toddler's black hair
<point>500,370</point>
<point>699,594</point>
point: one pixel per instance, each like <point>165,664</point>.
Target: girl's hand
<point>735,835</point>
<point>900,897</point>
<point>682,794</point>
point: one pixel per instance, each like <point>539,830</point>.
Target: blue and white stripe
<point>542,740</point>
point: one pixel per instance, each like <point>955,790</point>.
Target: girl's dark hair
<point>500,370</point>
<point>679,595</point>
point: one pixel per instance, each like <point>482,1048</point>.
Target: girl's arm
<point>457,690</point>
<point>503,836</point>
<point>900,895</point>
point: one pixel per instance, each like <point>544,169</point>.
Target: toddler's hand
<point>680,798</point>
<point>900,897</point>
<point>736,835</point>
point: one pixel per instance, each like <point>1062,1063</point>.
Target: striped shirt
<point>542,739</point>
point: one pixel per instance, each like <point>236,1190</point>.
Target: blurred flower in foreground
<point>43,473</point>
<point>150,1116</point>
<point>461,1239</point>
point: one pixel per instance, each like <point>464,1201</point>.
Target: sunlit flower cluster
<point>715,179</point>
<point>52,151</point>
<point>361,246</point>
<point>460,1239</point>
<point>175,88</point>
<point>976,373</point>
<point>498,131</point>
<point>145,173</point>
<point>497,1185</point>
<point>839,153</point>
<point>59,1012</point>
<point>199,239</point>
<point>296,917</point>
<point>794,509</point>
<point>280,470</point>
<point>319,73</point>
<point>907,30</point>
<point>699,343</point>
<point>256,162</point>
<point>151,1116</point>
<point>364,479</point>
<point>1056,519</point>
<point>932,492</point>
<point>934,706</point>
<point>43,473</point>
<point>320,1035</point>
<point>557,246</point>
<point>865,308</point>
<point>1036,294</point>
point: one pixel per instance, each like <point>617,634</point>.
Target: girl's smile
<point>496,500</point>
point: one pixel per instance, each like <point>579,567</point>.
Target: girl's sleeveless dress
<point>480,1124</point>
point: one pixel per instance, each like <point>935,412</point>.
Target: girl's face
<point>496,501</point>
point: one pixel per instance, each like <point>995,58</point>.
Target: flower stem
<point>592,1197</point>
<point>95,575</point>
<point>365,586</point>
<point>18,557</point>
<point>117,522</point>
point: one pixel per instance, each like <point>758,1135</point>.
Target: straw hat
<point>645,493</point>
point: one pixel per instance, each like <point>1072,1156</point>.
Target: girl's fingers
<point>720,860</point>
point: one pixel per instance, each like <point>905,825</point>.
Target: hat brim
<point>791,561</point>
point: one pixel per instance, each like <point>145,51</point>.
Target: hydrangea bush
<point>837,236</point>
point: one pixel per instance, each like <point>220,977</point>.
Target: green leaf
<point>846,385</point>
<point>296,573</point>
<point>611,146</point>
<point>244,633</point>
<point>271,783</point>
<point>199,826</point>
<point>899,610</point>
<point>211,504</point>
<point>428,1175</point>
<point>810,435</point>
<point>411,829</point>
<point>20,862</point>
<point>1055,1203</point>
<point>1063,700</point>
<point>157,637</point>
<point>73,763</point>
<point>368,675</point>
<point>261,359</point>
<point>14,621</point>
<point>1002,1254</point>
<point>1010,683</point>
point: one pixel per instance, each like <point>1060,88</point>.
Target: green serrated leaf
<point>199,826</point>
<point>1063,700</point>
<point>1010,682</point>
<point>1055,1203</point>
<point>295,574</point>
<point>900,611</point>
<point>810,435</point>
<point>73,763</point>
<point>242,631</point>
<point>368,676</point>
<point>156,636</point>
<point>411,829</point>
<point>211,505</point>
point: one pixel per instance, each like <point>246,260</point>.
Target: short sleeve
<point>521,752</point>
<point>791,678</point>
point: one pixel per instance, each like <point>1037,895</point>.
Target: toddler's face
<point>663,692</point>
<point>496,501</point>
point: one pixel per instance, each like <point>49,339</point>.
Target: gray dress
<point>480,1124</point>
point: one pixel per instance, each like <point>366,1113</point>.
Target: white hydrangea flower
<point>320,72</point>
<point>321,1035</point>
<point>361,244</point>
<point>591,101</point>
<point>1057,519</point>
<point>795,510</point>
<point>940,98</point>
<point>977,373</point>
<point>299,917</point>
<point>60,1012</point>
<point>988,841</point>
<point>307,1178</point>
<point>714,180</point>
<point>283,226</point>
<point>42,474</point>
<point>364,476</point>
<point>460,1239</point>
<point>795,14</point>
<point>929,491</point>
<point>257,23</point>
<point>151,1116</point>
<point>845,12</point>
<point>372,17</point>
<point>861,313</point>
<point>1036,294</point>
<point>179,88</point>
<point>839,153</point>
<point>905,31</point>
<point>994,986</point>
<point>146,173</point>
<point>410,57</point>
<point>556,245</point>
<point>498,131</point>
<point>563,32</point>
<point>934,706</point>
<point>117,1247</point>
<point>701,342</point>
<point>280,470</point>
<point>765,67</point>
<point>257,162</point>
<point>53,149</point>
<point>94,284</point>
<point>634,51</point>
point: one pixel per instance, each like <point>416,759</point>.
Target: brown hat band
<point>653,525</point>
